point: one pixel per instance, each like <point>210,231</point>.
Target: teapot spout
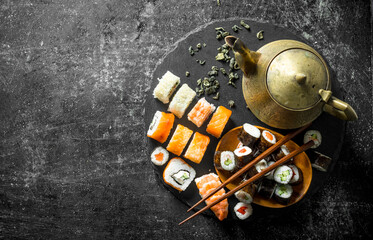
<point>245,58</point>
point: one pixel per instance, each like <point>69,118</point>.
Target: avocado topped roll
<point>283,174</point>
<point>283,193</point>
<point>249,135</point>
<point>225,160</point>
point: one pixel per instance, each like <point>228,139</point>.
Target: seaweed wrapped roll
<point>225,160</point>
<point>249,135</point>
<point>297,175</point>
<point>267,188</point>
<point>267,139</point>
<point>244,156</point>
<point>246,194</point>
<point>243,210</point>
<point>283,193</point>
<point>283,174</point>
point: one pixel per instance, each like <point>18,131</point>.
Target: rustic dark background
<point>74,76</point>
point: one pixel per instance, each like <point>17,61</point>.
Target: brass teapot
<point>286,83</point>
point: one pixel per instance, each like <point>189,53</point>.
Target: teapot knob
<point>300,78</point>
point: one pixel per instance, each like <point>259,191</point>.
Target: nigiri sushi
<point>197,147</point>
<point>218,121</point>
<point>161,126</point>
<point>178,174</point>
<point>180,102</point>
<point>179,139</point>
<point>205,185</point>
<point>166,86</point>
<point>200,112</point>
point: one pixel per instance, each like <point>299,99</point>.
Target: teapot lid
<point>294,78</point>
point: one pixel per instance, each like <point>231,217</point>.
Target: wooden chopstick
<point>252,163</point>
<point>283,160</point>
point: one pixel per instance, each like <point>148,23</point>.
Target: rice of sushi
<point>313,135</point>
<point>166,86</point>
<point>283,174</point>
<point>283,193</point>
<point>225,160</point>
<point>243,210</point>
<point>178,174</point>
<point>159,156</point>
<point>182,99</point>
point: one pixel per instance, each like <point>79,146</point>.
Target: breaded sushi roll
<point>178,174</point>
<point>283,193</point>
<point>312,135</point>
<point>249,135</point>
<point>257,168</point>
<point>246,194</point>
<point>197,147</point>
<point>225,160</point>
<point>244,155</point>
<point>166,86</point>
<point>267,139</point>
<point>297,175</point>
<point>200,112</point>
<point>179,139</point>
<point>267,188</point>
<point>218,121</point>
<point>180,102</point>
<point>159,156</point>
<point>161,126</point>
<point>283,174</point>
<point>243,210</point>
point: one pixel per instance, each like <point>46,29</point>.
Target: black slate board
<point>178,61</point>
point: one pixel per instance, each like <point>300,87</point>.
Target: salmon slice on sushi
<point>181,101</point>
<point>179,139</point>
<point>166,86</point>
<point>161,126</point>
<point>197,147</point>
<point>200,112</point>
<point>178,174</point>
<point>218,121</point>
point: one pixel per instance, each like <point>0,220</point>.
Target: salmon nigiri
<point>218,121</point>
<point>197,147</point>
<point>179,139</point>
<point>205,185</point>
<point>161,126</point>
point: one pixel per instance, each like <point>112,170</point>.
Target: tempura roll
<point>166,86</point>
<point>182,99</point>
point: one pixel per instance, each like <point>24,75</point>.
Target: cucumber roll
<point>257,168</point>
<point>225,160</point>
<point>267,188</point>
<point>246,194</point>
<point>283,174</point>
<point>244,155</point>
<point>297,175</point>
<point>312,135</point>
<point>283,193</point>
<point>249,135</point>
<point>267,139</point>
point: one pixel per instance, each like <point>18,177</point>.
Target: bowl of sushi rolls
<point>283,186</point>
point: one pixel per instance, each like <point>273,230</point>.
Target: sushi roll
<point>225,160</point>
<point>257,168</point>
<point>283,193</point>
<point>178,174</point>
<point>243,210</point>
<point>297,175</point>
<point>269,175</point>
<point>246,194</point>
<point>282,152</point>
<point>179,139</point>
<point>320,161</point>
<point>313,135</point>
<point>244,156</point>
<point>205,185</point>
<point>249,135</point>
<point>159,156</point>
<point>180,102</point>
<point>200,112</point>
<point>267,188</point>
<point>283,174</point>
<point>218,121</point>
<point>197,147</point>
<point>267,139</point>
<point>161,126</point>
<point>166,86</point>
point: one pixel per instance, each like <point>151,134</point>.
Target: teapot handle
<point>337,107</point>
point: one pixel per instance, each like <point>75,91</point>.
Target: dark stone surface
<point>74,76</point>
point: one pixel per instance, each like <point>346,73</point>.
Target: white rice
<point>156,151</point>
<point>248,211</point>
<point>166,86</point>
<point>180,102</point>
<point>252,130</point>
<point>155,122</point>
<point>173,167</point>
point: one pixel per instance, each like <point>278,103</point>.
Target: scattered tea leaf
<point>259,35</point>
<point>243,24</point>
<point>231,103</point>
<point>187,74</point>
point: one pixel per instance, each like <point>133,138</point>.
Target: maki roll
<point>244,156</point>
<point>178,174</point>
<point>267,139</point>
<point>297,175</point>
<point>225,160</point>
<point>179,139</point>
<point>159,156</point>
<point>200,112</point>
<point>269,175</point>
<point>320,161</point>
<point>267,188</point>
<point>197,147</point>
<point>282,152</point>
<point>243,210</point>
<point>312,135</point>
<point>166,86</point>
<point>218,121</point>
<point>246,194</point>
<point>283,174</point>
<point>180,102</point>
<point>257,168</point>
<point>249,135</point>
<point>161,126</point>
<point>283,193</point>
